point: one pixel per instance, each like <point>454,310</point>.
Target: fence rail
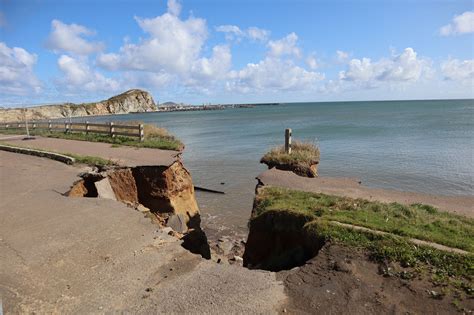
<point>87,127</point>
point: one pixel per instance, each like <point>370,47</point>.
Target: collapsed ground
<point>362,250</point>
<point>373,272</point>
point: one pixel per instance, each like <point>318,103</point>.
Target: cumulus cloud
<point>215,67</point>
<point>284,46</point>
<point>458,70</point>
<point>404,67</point>
<point>173,45</point>
<point>312,62</point>
<point>174,7</point>
<point>461,24</point>
<point>78,76</point>
<point>16,71</point>
<point>272,74</point>
<point>70,38</point>
<point>234,32</point>
<point>342,56</point>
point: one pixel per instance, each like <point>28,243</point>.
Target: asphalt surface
<point>124,155</point>
<point>87,255</point>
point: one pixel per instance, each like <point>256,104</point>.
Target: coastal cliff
<point>129,101</point>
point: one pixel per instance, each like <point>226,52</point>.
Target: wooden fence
<point>110,129</point>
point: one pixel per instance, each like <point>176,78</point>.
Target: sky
<point>227,51</point>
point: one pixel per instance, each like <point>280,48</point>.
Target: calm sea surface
<point>421,146</point>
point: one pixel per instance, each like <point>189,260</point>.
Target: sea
<point>422,146</point>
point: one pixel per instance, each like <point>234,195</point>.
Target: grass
<point>404,222</point>
<point>302,153</point>
<point>90,160</point>
<point>83,159</point>
<point>155,138</point>
<point>417,221</point>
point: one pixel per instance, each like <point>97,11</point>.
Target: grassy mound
<point>403,222</point>
<point>302,160</point>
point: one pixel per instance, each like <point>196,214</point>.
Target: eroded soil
<point>344,280</point>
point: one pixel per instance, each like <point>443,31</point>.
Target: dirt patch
<point>339,279</point>
<point>277,241</point>
<point>123,185</point>
<point>310,171</point>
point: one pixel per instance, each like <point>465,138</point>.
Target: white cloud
<point>312,62</point>
<point>173,46</point>
<point>215,67</point>
<point>404,67</point>
<point>174,7</point>
<point>461,24</point>
<point>272,74</point>
<point>342,56</point>
<point>69,38</point>
<point>285,46</point>
<point>78,76</point>
<point>458,70</point>
<point>16,71</point>
<point>259,34</point>
<point>234,32</point>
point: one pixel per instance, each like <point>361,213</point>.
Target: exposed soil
<point>303,170</point>
<point>341,280</point>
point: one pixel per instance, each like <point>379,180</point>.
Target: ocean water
<point>421,146</point>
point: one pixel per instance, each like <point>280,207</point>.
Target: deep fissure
<point>274,243</point>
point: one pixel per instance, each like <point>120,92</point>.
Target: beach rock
<point>129,101</point>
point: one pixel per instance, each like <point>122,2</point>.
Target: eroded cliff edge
<point>130,101</point>
<point>164,192</point>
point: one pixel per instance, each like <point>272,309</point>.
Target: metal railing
<point>110,129</point>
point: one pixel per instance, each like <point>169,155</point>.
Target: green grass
<point>155,140</point>
<point>417,221</point>
<point>82,159</point>
<point>404,222</point>
<point>302,153</point>
<point>90,160</point>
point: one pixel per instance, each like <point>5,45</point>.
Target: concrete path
<point>87,255</point>
<point>125,156</point>
<point>350,187</point>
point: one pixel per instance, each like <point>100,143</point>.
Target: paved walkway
<point>88,255</point>
<point>124,155</point>
<point>350,187</point>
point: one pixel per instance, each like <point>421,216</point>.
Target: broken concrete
<point>104,190</point>
<point>83,255</point>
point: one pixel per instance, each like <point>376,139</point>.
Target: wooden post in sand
<point>288,140</point>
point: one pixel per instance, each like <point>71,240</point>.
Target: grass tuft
<point>302,153</point>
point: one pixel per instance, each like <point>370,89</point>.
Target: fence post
<point>112,130</point>
<point>288,141</point>
<point>6,126</point>
<point>87,127</point>
<point>66,126</point>
<point>50,127</point>
<point>34,126</point>
<point>141,133</point>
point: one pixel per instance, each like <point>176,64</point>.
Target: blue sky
<point>235,51</point>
